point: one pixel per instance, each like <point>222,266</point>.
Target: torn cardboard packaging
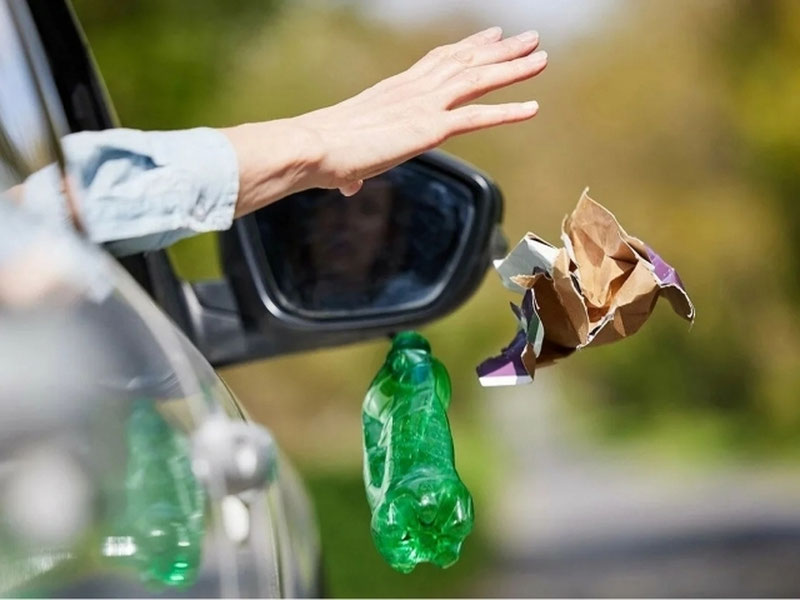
<point>600,287</point>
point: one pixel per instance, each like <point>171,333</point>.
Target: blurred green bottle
<point>161,530</point>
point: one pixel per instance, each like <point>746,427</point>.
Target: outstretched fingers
<point>449,61</point>
<point>477,81</point>
<point>420,108</point>
<point>498,52</point>
<point>429,63</point>
<point>480,116</point>
<point>441,54</point>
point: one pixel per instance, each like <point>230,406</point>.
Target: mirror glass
<point>391,246</point>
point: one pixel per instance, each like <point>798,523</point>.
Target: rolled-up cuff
<point>150,188</point>
<point>209,158</point>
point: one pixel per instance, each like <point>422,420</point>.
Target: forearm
<point>140,191</point>
<point>145,190</point>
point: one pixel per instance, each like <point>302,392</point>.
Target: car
<point>127,467</point>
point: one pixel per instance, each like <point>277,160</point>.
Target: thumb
<point>351,189</point>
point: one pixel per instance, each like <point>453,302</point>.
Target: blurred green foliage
<point>164,61</point>
<point>738,367</point>
<point>683,117</point>
<point>760,54</point>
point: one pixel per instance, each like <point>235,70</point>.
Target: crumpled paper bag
<point>600,287</point>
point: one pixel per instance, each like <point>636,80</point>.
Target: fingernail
<point>539,57</point>
<point>493,32</point>
<point>528,36</point>
<point>531,105</point>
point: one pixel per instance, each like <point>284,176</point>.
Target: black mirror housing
<point>317,269</point>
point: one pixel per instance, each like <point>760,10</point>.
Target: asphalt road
<point>581,520</point>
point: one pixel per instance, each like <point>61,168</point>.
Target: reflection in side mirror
<point>389,247</point>
<point>318,269</point>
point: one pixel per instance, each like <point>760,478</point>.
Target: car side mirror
<point>317,269</point>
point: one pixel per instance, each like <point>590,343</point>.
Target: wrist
<point>275,159</point>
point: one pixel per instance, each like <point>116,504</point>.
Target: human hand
<point>400,117</point>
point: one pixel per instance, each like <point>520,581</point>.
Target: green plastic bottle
<point>162,527</point>
<point>421,510</point>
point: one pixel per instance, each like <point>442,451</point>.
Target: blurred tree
<point>760,54</point>
<point>164,61</point>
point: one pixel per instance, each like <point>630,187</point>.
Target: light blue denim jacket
<point>139,191</point>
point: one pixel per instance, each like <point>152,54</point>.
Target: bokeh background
<point>668,464</point>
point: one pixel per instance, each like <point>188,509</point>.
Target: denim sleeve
<point>140,191</point>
